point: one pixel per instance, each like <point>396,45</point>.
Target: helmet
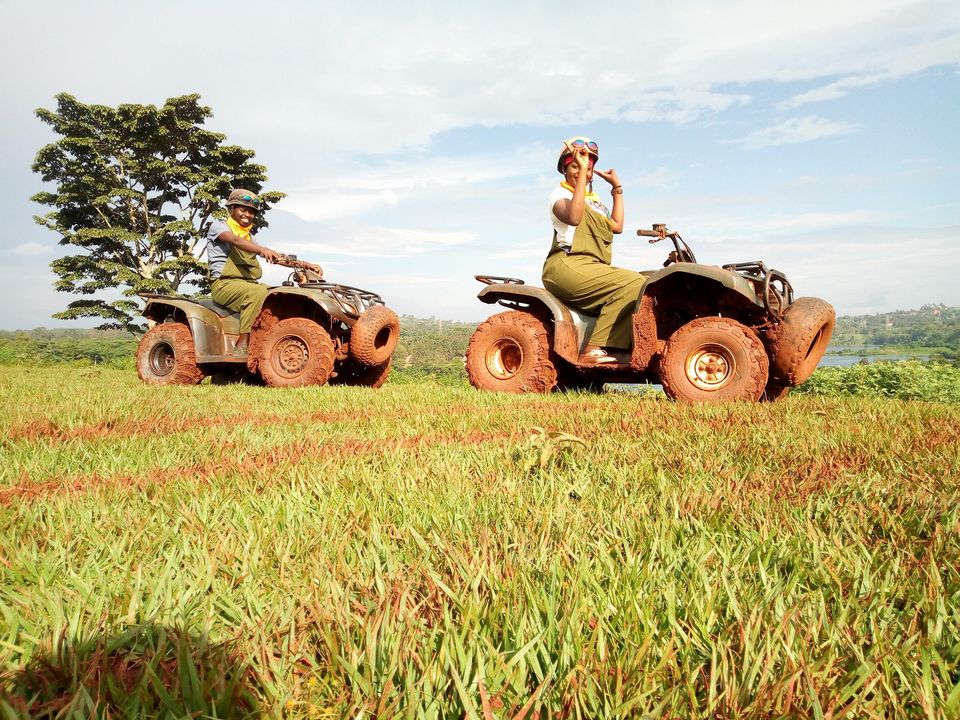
<point>592,150</point>
<point>244,197</point>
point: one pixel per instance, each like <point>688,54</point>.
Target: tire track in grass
<point>48,431</point>
<point>265,462</point>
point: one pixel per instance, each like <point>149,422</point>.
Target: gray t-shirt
<point>216,249</point>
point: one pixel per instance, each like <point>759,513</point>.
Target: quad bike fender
<point>572,328</point>
<point>729,280</point>
<point>645,344</point>
<point>206,326</point>
<point>569,327</point>
<point>326,303</point>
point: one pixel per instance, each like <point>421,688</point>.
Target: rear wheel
<point>803,338</point>
<point>295,352</point>
<point>510,352</point>
<point>714,359</point>
<point>165,356</point>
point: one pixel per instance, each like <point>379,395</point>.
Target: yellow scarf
<point>587,195</point>
<point>591,200</point>
<point>239,230</point>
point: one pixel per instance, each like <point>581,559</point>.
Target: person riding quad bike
<point>578,268</point>
<point>307,331</point>
<point>706,333</point>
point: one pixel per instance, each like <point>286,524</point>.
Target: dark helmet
<point>244,197</point>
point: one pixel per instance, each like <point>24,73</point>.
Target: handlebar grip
<point>648,233</point>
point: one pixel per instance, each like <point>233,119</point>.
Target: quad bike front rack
<point>775,289</point>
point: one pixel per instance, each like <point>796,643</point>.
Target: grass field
<point>428,551</point>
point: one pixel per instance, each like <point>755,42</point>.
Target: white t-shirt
<point>565,232</point>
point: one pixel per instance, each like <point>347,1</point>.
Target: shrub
<point>906,380</point>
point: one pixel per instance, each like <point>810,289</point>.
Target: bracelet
<point>618,190</point>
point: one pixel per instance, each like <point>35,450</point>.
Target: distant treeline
<point>435,348</point>
<point>427,348</point>
<point>932,326</point>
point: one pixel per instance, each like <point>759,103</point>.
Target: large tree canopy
<point>135,186</point>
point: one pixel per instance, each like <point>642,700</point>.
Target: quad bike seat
<point>218,309</point>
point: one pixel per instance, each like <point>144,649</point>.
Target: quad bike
<point>705,333</point>
<point>308,332</point>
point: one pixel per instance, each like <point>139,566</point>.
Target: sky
<point>417,142</point>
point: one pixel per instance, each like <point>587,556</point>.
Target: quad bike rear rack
<point>495,279</point>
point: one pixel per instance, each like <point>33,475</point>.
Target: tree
<point>135,188</point>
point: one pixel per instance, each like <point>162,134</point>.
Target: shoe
<point>596,356</point>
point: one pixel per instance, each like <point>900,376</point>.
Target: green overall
<point>237,287</point>
<point>584,279</point>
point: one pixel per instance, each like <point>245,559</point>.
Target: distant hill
<point>932,326</point>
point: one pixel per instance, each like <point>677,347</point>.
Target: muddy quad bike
<point>308,332</point>
<point>706,333</point>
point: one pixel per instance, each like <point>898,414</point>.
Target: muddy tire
<point>374,336</point>
<point>265,321</point>
<point>510,352</point>
<point>371,376</point>
<point>295,352</point>
<point>714,359</point>
<point>166,356</point>
<point>803,338</point>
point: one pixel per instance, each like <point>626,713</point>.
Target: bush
<point>907,380</point>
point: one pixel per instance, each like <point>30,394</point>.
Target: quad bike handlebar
<point>681,251</point>
<point>301,273</point>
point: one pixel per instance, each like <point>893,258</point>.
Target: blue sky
<point>417,143</point>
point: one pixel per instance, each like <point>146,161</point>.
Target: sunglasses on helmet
<point>590,145</point>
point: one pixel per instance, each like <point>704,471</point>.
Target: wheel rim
<point>504,358</point>
<point>162,359</point>
<point>711,367</point>
<point>290,356</point>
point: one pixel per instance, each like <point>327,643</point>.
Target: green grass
<point>433,551</point>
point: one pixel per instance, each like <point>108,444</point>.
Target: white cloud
<point>678,106</point>
<point>360,189</point>
<point>32,249</point>
<point>382,242</point>
<point>521,253</point>
<point>833,91</point>
<point>793,131</point>
<point>317,206</point>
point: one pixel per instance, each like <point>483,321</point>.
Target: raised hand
<point>580,155</point>
<point>609,175</point>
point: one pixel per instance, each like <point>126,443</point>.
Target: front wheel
<point>165,356</point>
<point>802,340</point>
<point>374,336</point>
<point>510,352</point>
<point>714,359</point>
<point>295,352</point>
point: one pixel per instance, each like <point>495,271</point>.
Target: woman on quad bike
<point>577,269</point>
<point>234,268</point>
